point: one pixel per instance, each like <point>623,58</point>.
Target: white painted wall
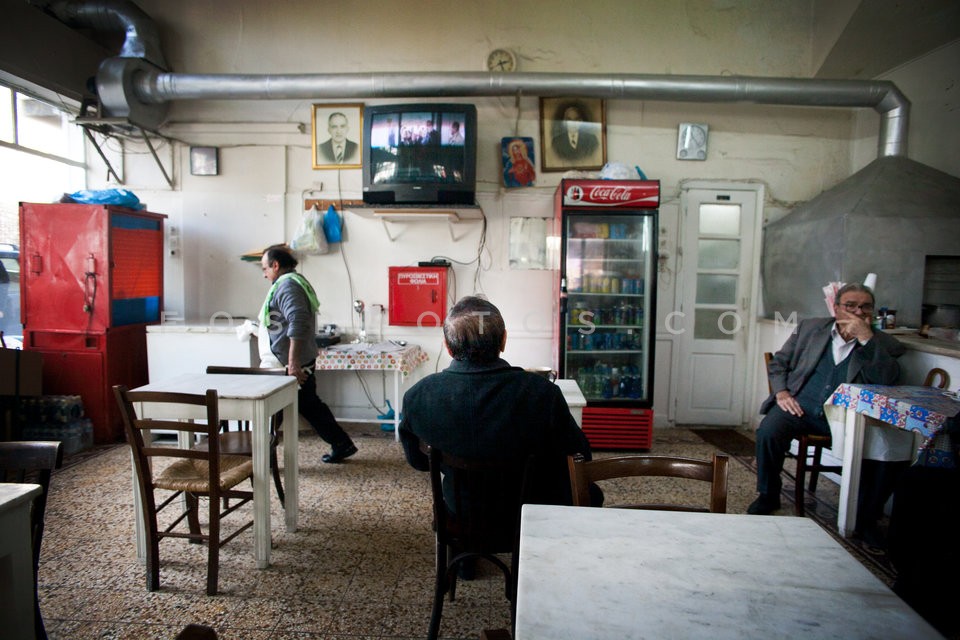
<point>265,156</point>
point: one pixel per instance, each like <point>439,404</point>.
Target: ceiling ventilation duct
<point>139,53</point>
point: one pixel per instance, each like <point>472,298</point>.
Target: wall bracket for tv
<point>453,216</point>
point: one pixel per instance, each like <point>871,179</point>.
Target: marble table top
<point>14,494</point>
<point>621,574</point>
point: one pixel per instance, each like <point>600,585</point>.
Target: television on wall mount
<point>420,154</point>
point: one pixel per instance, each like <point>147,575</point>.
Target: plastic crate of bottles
<point>56,418</point>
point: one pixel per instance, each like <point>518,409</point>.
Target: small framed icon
<point>204,161</point>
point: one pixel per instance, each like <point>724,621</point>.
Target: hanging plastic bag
<point>331,225</point>
<point>309,237</point>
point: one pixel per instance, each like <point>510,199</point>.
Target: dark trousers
<point>318,414</point>
<point>776,431</point>
<point>774,434</point>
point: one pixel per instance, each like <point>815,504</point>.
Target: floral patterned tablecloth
<point>924,410</point>
<point>385,356</point>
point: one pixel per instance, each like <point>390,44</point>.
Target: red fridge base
<point>618,429</point>
<point>89,365</point>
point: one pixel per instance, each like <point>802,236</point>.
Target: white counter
<point>574,397</point>
<point>181,348</point>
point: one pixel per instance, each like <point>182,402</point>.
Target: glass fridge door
<point>609,273</point>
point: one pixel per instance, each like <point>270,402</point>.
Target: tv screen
<point>420,154</point>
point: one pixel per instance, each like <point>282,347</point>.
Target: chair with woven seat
<point>32,462</point>
<point>476,514</point>
<point>240,442</point>
<point>810,462</point>
<point>186,472</point>
<point>715,471</point>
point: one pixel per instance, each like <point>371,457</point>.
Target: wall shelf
<point>427,213</point>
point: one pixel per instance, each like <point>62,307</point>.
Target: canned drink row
<point>611,284</point>
<point>623,314</point>
<point>604,341</point>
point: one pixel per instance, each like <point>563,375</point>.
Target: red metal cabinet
<point>91,279</point>
<point>418,296</point>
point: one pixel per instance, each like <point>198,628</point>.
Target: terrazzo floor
<point>360,565</point>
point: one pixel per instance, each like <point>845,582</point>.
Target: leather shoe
<point>339,455</point>
<point>763,505</point>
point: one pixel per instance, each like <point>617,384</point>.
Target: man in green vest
<point>290,314</point>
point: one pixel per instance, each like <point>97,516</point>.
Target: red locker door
<point>418,296</point>
<point>64,273</point>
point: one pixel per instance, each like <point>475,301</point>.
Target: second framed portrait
<point>573,134</point>
<point>337,135</point>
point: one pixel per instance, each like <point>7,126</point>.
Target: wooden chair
<point>582,473</point>
<point>476,513</point>
<point>32,462</point>
<point>191,472</point>
<point>807,461</point>
<point>938,374</point>
<point>240,443</point>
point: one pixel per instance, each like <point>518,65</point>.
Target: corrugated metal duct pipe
<point>150,86</point>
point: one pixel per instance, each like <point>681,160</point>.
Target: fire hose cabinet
<point>91,280</point>
<point>418,296</point>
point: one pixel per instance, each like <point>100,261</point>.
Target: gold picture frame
<point>573,134</point>
<point>331,124</point>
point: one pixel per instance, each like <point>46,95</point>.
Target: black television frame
<point>425,191</point>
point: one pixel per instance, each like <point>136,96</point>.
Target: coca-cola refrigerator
<point>607,291</point>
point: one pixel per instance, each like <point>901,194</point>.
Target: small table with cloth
<point>918,410</point>
<point>380,356</point>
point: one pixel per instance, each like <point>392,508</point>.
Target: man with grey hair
<point>481,407</point>
<point>821,354</point>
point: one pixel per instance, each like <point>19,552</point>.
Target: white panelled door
<point>719,234</point>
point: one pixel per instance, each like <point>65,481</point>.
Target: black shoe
<point>763,505</point>
<point>339,455</point>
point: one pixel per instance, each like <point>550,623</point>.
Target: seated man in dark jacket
<point>821,354</point>
<point>480,407</point>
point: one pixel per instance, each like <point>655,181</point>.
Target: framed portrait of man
<point>337,135</point>
<point>573,134</point>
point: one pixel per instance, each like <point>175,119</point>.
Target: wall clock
<point>204,161</point>
<point>692,141</point>
<point>501,60</point>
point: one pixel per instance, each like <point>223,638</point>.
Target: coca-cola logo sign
<point>599,194</point>
<point>609,194</point>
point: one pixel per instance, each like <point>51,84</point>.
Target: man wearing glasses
<point>821,354</point>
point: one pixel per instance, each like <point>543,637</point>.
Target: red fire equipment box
<point>418,296</point>
<point>92,279</point>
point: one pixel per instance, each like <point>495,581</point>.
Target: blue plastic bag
<point>118,197</point>
<point>331,224</point>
